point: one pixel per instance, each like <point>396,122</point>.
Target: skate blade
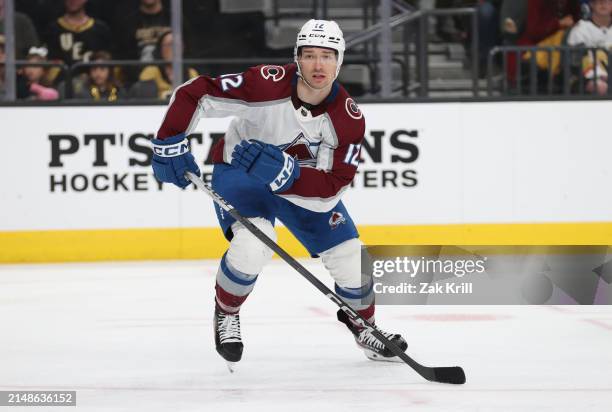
<point>231,366</point>
<point>379,358</point>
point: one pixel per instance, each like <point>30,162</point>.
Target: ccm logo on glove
<point>171,159</point>
<point>171,150</point>
<point>285,174</point>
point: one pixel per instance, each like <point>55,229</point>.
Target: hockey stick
<point>452,374</point>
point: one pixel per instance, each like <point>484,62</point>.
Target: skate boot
<point>227,337</point>
<point>371,346</point>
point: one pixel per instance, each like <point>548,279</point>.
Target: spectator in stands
<point>159,78</point>
<point>489,34</point>
<point>111,11</point>
<point>546,25</point>
<point>31,80</point>
<point>547,17</point>
<point>137,33</point>
<point>453,28</point>
<point>25,32</point>
<point>41,12</point>
<point>513,20</point>
<point>585,10</point>
<point>595,32</point>
<point>75,36</point>
<point>99,83</point>
<point>488,26</point>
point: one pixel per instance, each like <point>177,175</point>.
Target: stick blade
<point>453,375</point>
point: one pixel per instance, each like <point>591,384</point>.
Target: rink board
<point>77,183</point>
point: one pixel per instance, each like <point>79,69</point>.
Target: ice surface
<point>138,337</point>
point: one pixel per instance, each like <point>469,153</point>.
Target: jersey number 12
<point>352,155</point>
<point>232,81</point>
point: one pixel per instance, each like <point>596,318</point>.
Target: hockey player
<point>290,153</point>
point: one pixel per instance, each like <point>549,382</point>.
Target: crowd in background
<point>67,32</point>
<point>543,23</point>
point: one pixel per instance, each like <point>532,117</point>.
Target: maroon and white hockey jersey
<point>325,140</point>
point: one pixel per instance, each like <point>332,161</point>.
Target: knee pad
<point>247,253</point>
<point>344,263</point>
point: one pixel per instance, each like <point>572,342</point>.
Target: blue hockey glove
<point>267,163</point>
<point>245,153</point>
<point>171,159</point>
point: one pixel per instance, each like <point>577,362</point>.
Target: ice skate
<point>227,337</point>
<point>371,346</point>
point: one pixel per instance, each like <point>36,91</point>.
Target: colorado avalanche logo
<point>336,219</point>
<point>352,109</point>
<point>303,150</point>
<point>274,72</point>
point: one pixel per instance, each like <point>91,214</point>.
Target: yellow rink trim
<point>202,243</point>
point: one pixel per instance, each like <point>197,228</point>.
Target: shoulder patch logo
<point>352,109</point>
<point>274,72</point>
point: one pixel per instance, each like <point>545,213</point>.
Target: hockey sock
<point>360,299</point>
<point>232,287</point>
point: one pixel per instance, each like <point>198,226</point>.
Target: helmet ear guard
<point>320,33</point>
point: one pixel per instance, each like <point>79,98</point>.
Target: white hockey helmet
<point>320,33</point>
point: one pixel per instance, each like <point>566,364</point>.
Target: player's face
<point>318,66</point>
<point>601,7</point>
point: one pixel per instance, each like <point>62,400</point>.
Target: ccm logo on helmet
<point>274,72</point>
<point>352,109</point>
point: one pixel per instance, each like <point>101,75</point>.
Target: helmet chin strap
<point>299,73</point>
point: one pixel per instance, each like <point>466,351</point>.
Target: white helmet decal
<point>320,33</point>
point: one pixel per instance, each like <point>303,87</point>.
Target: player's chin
<point>319,82</point>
